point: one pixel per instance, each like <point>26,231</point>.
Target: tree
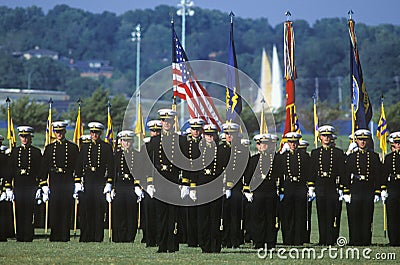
<point>94,108</point>
<point>393,117</point>
<point>27,112</point>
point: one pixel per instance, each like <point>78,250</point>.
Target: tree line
<point>322,51</point>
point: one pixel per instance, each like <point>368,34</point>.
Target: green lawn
<point>41,251</point>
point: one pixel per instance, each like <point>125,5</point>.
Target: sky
<point>369,12</point>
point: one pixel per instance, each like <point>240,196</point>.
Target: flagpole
<point>137,36</point>
<point>350,13</point>
<point>11,140</point>
<point>315,121</point>
<point>184,11</point>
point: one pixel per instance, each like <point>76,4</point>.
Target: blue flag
<point>233,98</point>
<point>360,100</point>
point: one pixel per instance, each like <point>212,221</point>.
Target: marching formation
<point>199,188</point>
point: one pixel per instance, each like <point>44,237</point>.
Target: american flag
<point>187,87</point>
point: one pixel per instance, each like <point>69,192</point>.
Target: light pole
<point>183,11</point>
<point>29,79</point>
<point>136,37</point>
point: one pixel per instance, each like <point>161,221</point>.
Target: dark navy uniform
<point>125,205</point>
<point>209,214</point>
<point>59,163</point>
<point>293,170</point>
<point>164,153</point>
<point>362,181</point>
<point>95,168</point>
<point>263,208</point>
<point>166,213</point>
<point>327,167</point>
<point>234,159</point>
<point>24,165</point>
<point>190,176</point>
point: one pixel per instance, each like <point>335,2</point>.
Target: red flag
<point>291,124</point>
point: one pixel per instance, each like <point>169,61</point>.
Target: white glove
<point>384,195</point>
<point>184,191</point>
<point>3,196</point>
<point>347,198</point>
<point>281,196</point>
<point>78,188</point>
<point>38,195</point>
<point>249,196</point>
<point>376,198</point>
<point>138,191</point>
<point>193,195</point>
<point>108,197</point>
<point>340,192</point>
<point>311,194</point>
<point>228,194</point>
<point>45,197</point>
<point>46,189</point>
<point>9,195</point>
<point>150,190</point>
<point>285,148</point>
<point>107,188</point>
<point>46,193</point>
<point>352,148</point>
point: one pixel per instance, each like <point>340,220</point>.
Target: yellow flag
<point>263,125</point>
<point>50,135</point>
<point>382,130</point>
<point>10,129</point>
<point>78,128</point>
<point>110,132</point>
<point>315,123</point>
<point>176,125</point>
<point>139,129</point>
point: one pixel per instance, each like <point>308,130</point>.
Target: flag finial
<point>231,15</point>
<point>350,13</point>
<point>50,101</point>
<point>171,14</point>
<point>8,100</point>
<point>288,15</point>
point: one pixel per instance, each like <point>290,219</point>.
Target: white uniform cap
<point>154,125</point>
<point>326,130</point>
<point>95,126</point>
<point>166,113</point>
<point>25,130</point>
<point>126,135</point>
<point>292,136</point>
<point>362,134</point>
<point>230,127</point>
<point>196,123</point>
<point>210,128</point>
<point>262,138</point>
<point>59,125</point>
<point>395,136</point>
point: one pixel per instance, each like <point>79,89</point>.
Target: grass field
<point>41,251</point>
